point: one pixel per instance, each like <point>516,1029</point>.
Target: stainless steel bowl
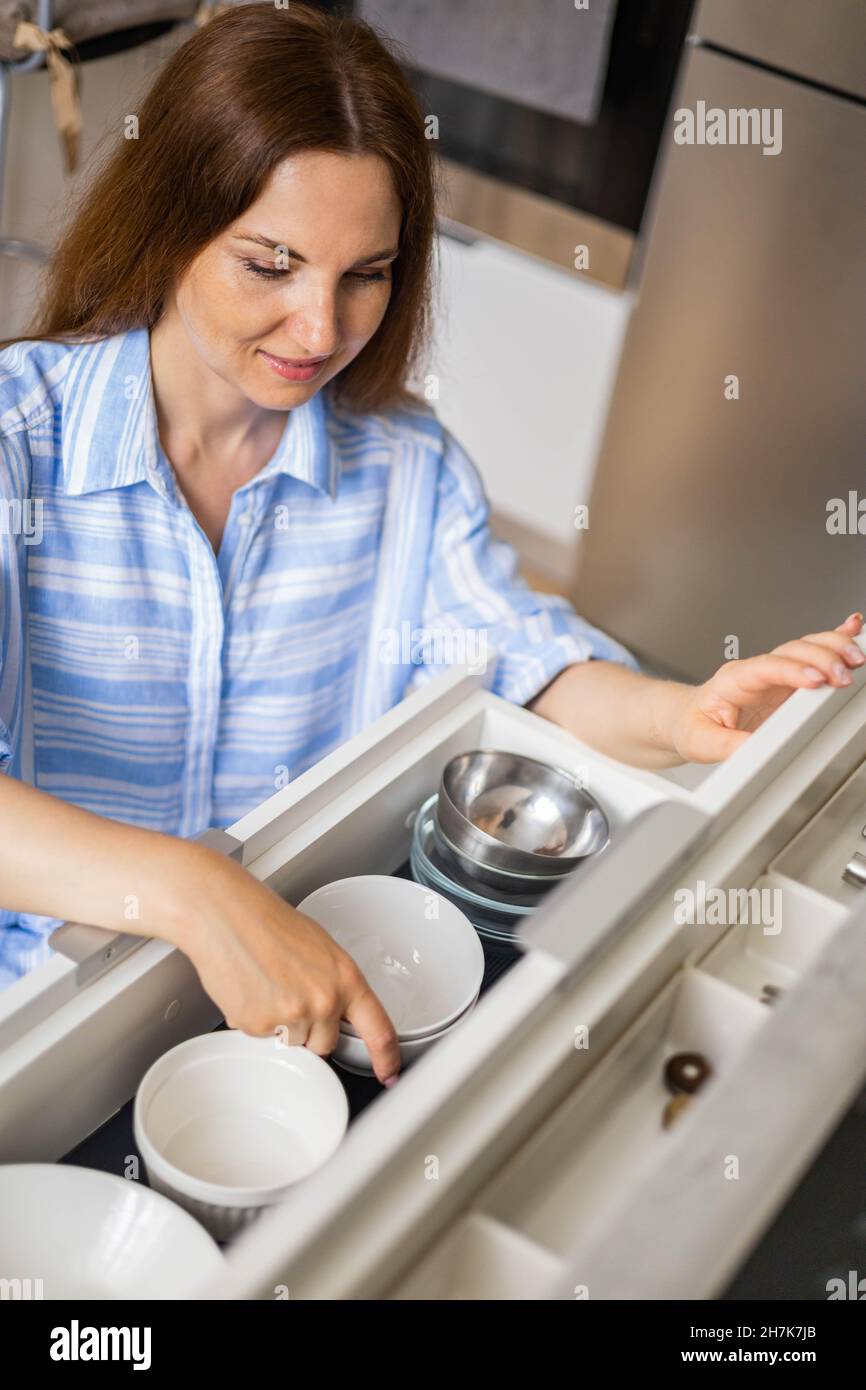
<point>512,891</point>
<point>489,875</point>
<point>516,815</point>
<point>499,883</point>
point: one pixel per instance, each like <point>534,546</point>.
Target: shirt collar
<point>110,434</point>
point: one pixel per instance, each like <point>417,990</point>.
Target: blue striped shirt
<point>150,680</point>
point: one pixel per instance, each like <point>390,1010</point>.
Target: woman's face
<point>302,277</point>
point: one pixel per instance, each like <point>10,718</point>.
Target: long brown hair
<point>253,86</point>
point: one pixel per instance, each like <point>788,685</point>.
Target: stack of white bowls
<point>420,955</point>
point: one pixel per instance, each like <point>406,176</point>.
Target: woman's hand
<point>268,966</point>
<point>715,718</point>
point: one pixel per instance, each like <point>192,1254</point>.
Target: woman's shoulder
<point>409,429</point>
<point>409,422</point>
<point>31,373</point>
<point>37,374</point>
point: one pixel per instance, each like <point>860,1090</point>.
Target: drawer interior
<point>368,830</point>
<point>777,943</point>
<point>817,856</point>
<point>481,1258</point>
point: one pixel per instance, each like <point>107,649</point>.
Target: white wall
<point>527,355</point>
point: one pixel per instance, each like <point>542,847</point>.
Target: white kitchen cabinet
<point>509,1161</point>
<point>513,330</point>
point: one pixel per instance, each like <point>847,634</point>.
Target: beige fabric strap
<point>64,84</point>
<point>64,75</point>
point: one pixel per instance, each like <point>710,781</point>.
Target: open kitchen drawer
<point>438,1174</point>
<point>77,1034</point>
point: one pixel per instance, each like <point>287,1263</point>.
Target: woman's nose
<point>314,326</point>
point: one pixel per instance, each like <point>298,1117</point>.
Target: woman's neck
<point>214,439</point>
<point>203,422</point>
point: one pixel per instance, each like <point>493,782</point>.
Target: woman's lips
<point>294,370</point>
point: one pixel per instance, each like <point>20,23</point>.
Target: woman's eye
<point>264,271</point>
<point>269,273</point>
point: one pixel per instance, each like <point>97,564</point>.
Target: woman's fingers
<point>757,674</point>
<point>323,1036</point>
<point>710,742</point>
<point>369,1019</point>
<point>830,652</point>
<point>804,662</point>
<point>746,692</point>
<point>839,640</point>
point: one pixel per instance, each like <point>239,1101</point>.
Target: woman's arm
<point>617,711</point>
<point>58,860</point>
<point>266,965</point>
<point>658,723</point>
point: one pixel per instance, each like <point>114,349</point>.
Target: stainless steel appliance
<point>709,515</point>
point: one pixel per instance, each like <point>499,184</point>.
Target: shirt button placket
<point>204,681</point>
<point>238,537</point>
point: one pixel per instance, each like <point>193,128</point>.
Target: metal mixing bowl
<point>512,813</point>
<point>505,880</point>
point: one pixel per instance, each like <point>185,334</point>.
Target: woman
<point>227,504</point>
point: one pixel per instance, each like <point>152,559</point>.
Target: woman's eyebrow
<point>385,255</point>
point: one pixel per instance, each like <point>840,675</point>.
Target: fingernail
<point>391,1079</point>
<point>814,674</point>
<point>842,673</point>
<point>859,616</point>
<point>855,654</point>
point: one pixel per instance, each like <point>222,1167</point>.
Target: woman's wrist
<point>626,714</point>
<point>184,875</point>
<point>667,702</point>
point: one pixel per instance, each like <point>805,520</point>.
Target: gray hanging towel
<point>545,54</point>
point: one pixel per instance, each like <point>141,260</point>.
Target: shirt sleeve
<point>23,936</point>
<point>15,527</point>
<point>474,591</point>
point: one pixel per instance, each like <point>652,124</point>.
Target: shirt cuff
<point>522,673</point>
<point>24,944</point>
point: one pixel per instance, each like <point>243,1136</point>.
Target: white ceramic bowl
<point>227,1124</point>
<point>420,954</point>
<point>84,1234</point>
<point>352,1053</point>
